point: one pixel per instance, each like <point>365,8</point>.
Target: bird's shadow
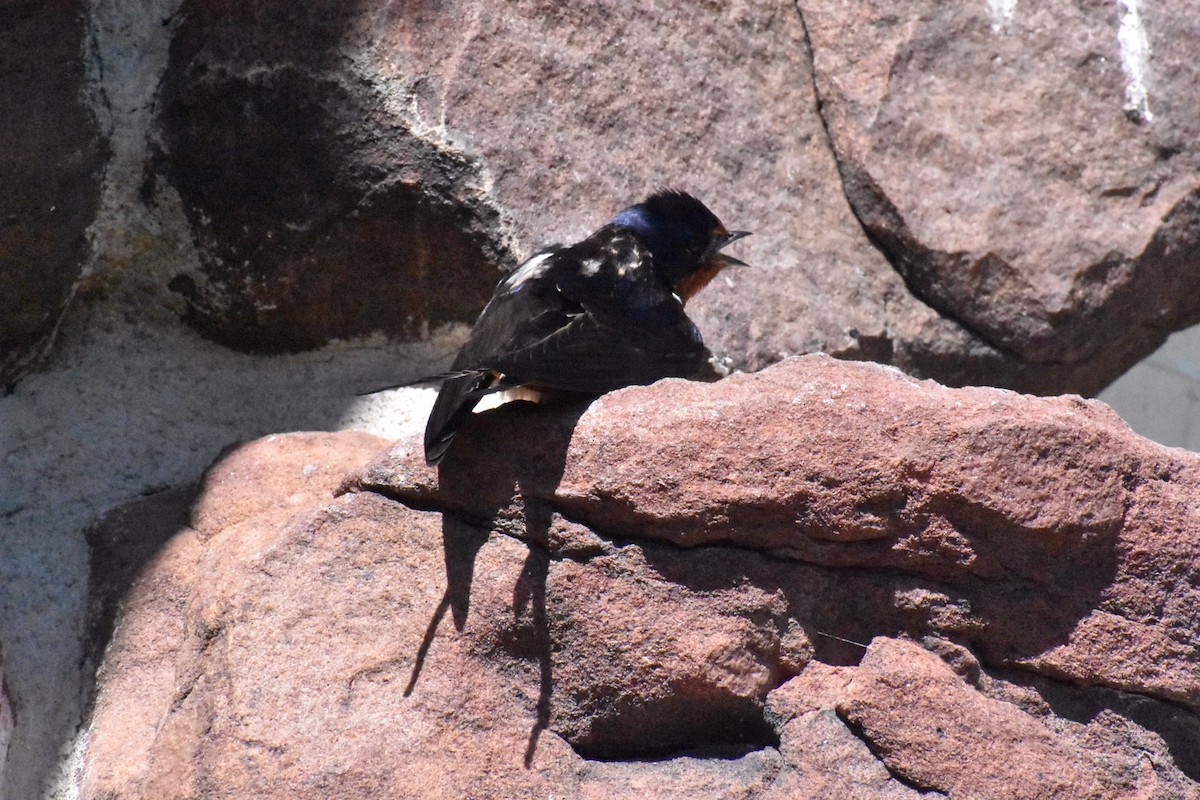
<point>509,456</point>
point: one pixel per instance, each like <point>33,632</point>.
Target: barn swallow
<point>594,316</point>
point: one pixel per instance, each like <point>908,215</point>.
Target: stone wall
<point>225,219</point>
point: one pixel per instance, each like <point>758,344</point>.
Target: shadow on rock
<point>507,482</point>
<point>122,543</point>
<point>704,543</point>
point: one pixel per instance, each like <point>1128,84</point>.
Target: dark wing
<point>629,329</point>
<point>457,398</point>
<point>595,354</point>
<point>523,308</point>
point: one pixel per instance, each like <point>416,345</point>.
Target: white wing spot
<point>533,268</point>
<point>627,259</point>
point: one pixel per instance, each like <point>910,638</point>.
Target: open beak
<point>730,261</point>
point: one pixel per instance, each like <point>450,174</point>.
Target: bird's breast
<point>693,283</point>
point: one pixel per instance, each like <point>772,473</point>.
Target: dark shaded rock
<point>1010,176</point>
<point>51,155</point>
<point>318,213</point>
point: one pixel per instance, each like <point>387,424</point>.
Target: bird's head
<point>684,237</point>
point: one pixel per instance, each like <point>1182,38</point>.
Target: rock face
<point>980,194</point>
<point>822,580</point>
<point>50,162</point>
<point>359,167</point>
<point>950,130</point>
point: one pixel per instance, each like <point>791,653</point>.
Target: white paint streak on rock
<point>1135,59</point>
<point>1002,13</point>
